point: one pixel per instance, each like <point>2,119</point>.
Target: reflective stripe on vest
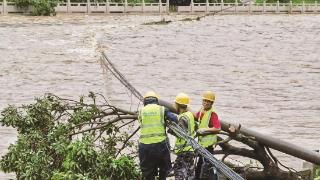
<point>152,128</point>
<point>181,144</point>
<point>210,139</point>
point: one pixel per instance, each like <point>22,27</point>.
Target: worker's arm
<point>183,122</point>
<point>208,130</point>
<point>170,116</point>
<point>214,126</point>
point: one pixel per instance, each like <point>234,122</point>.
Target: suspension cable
<point>109,65</point>
<point>221,167</point>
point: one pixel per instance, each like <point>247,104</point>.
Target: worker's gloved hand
<point>201,131</point>
<point>171,132</point>
<point>232,129</point>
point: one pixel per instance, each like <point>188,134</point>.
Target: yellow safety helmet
<point>182,98</point>
<point>208,95</point>
<point>151,94</point>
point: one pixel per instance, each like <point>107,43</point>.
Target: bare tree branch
<point>107,124</point>
<point>126,141</point>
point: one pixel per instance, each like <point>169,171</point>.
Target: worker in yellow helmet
<point>184,163</point>
<point>209,126</point>
<point>154,154</point>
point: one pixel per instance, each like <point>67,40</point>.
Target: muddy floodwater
<point>264,69</point>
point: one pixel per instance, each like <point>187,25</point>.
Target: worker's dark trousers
<point>154,160</point>
<point>184,166</point>
<point>204,170</point>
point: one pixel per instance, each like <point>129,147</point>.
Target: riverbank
<point>160,8</point>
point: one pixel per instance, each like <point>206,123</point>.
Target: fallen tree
<point>255,141</point>
<point>259,152</point>
<point>268,165</point>
<point>67,139</point>
<point>91,139</point>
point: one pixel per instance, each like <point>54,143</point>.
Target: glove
<point>171,132</point>
<point>201,131</point>
<point>232,129</point>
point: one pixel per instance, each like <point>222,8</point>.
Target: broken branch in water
<point>161,22</point>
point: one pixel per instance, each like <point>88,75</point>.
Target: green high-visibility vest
<point>210,139</point>
<point>181,144</point>
<point>152,127</point>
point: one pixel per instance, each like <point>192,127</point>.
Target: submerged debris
<point>162,22</point>
<point>191,19</point>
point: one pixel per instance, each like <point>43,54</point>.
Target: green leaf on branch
<point>50,144</point>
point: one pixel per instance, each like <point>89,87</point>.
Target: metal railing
<point>251,7</point>
<point>107,6</point>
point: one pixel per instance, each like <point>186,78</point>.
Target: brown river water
<point>264,69</point>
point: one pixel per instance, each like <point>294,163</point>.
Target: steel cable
<point>221,167</point>
<point>109,65</point>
